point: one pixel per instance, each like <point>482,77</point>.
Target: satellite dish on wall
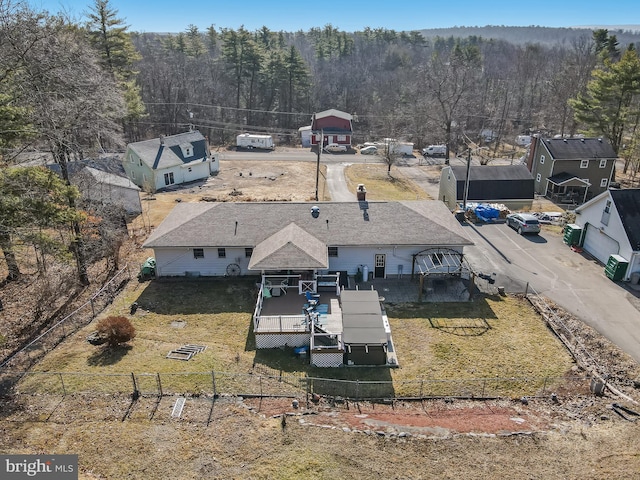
<point>315,211</point>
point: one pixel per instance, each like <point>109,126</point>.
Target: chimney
<point>361,193</point>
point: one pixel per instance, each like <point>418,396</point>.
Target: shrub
<point>116,330</point>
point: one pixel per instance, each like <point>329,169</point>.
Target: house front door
<point>380,262</point>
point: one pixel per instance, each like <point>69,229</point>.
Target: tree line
<point>79,89</point>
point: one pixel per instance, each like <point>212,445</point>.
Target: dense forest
<point>80,89</point>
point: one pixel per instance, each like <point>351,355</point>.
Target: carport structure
<point>442,269</point>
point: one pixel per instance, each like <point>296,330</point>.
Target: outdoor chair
<point>312,298</point>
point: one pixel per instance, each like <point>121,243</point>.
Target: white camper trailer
<point>251,141</point>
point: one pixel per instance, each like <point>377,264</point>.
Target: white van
<point>435,151</point>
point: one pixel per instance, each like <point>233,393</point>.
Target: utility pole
<point>320,145</point>
<point>466,181</point>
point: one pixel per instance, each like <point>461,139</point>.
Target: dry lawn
<point>382,186</point>
<point>433,341</point>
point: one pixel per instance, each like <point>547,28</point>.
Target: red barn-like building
<point>335,126</point>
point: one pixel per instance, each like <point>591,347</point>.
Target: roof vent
<point>582,140</point>
<point>564,140</point>
<point>600,140</point>
<point>315,211</point>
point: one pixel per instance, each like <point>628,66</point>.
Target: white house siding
<point>448,188</point>
<point>597,233</point>
<point>352,258</point>
<point>198,171</point>
<point>599,244</point>
<point>138,174</point>
<point>176,262</point>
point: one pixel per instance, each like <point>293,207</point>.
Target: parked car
<point>548,217</point>
<point>523,223</point>
<point>370,150</point>
<point>335,147</point>
<point>435,151</point>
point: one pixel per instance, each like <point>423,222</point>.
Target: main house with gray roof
<point>159,163</point>
<point>217,239</point>
<point>571,170</point>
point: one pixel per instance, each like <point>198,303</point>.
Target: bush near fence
<point>48,340</point>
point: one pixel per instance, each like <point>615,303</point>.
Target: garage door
<point>599,244</point>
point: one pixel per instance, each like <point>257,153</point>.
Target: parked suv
<point>335,147</point>
<point>523,223</point>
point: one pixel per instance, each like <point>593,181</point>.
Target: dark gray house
<point>511,185</point>
<point>571,170</point>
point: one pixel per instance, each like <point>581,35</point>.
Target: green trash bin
<point>148,269</point>
<point>572,235</point>
<point>616,267</point>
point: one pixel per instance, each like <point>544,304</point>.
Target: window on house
<point>603,163</point>
<point>248,252</point>
<point>168,178</point>
<point>140,162</point>
<point>222,253</point>
<point>131,159</point>
<point>198,253</point>
<point>584,163</point>
<point>541,159</point>
<point>189,169</point>
<point>144,177</point>
<point>333,251</point>
<point>603,183</point>
<point>606,213</point>
<point>342,138</point>
<point>538,178</point>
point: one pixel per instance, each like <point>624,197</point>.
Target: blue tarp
<point>484,211</point>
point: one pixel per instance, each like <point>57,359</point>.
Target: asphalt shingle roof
<point>578,148</point>
<point>492,172</point>
<point>339,224</point>
<point>165,152</point>
<point>627,203</point>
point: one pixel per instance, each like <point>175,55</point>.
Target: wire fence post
<point>484,384</point>
<point>136,392</point>
<point>64,391</point>
<point>213,382</point>
<point>544,385</point>
<point>159,384</point>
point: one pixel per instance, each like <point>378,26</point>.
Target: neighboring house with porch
<point>610,225</point>
<point>299,250</point>
<point>331,126</point>
<point>161,162</point>
<point>511,185</point>
<point>571,170</point>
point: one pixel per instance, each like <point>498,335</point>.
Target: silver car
<point>523,223</point>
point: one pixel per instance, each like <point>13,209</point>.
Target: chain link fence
<point>250,385</point>
<point>37,348</point>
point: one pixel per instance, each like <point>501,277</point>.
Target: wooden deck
<point>285,313</point>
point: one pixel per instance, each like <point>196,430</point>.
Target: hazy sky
<point>352,15</point>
